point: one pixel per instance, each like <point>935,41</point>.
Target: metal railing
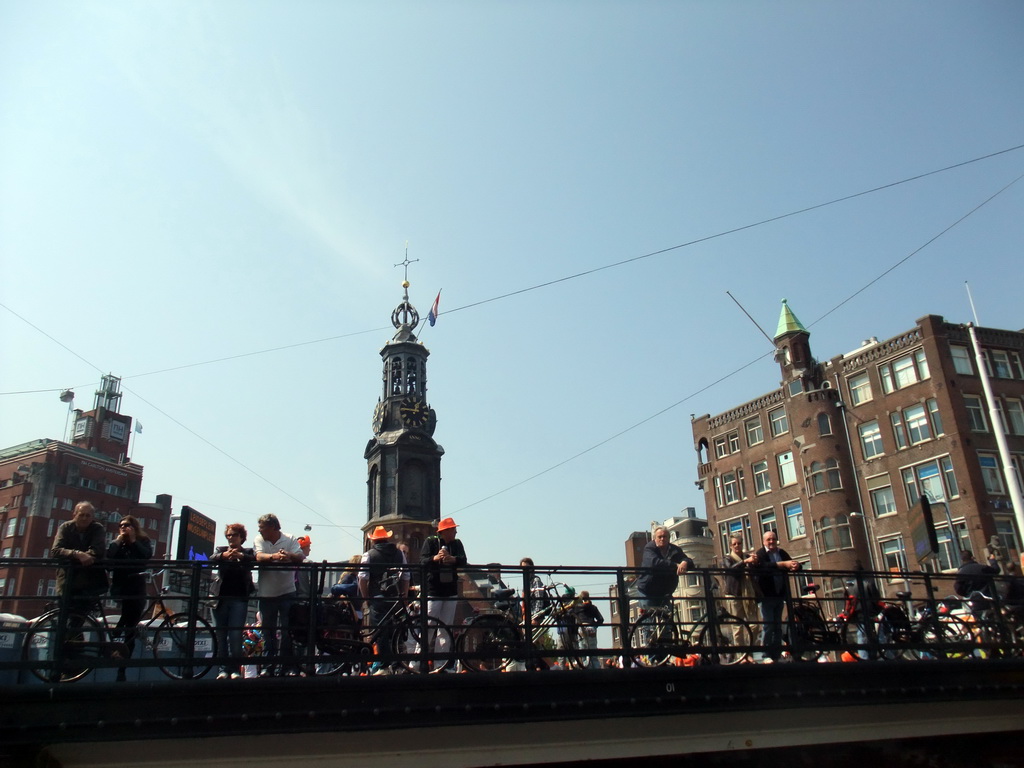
<point>914,616</point>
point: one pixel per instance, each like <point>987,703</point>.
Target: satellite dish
<point>67,396</point>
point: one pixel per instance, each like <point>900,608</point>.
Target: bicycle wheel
<point>654,640</point>
<point>177,658</point>
<point>575,646</point>
<point>406,643</point>
<point>944,638</point>
<point>83,639</point>
<point>730,642</point>
<point>488,644</point>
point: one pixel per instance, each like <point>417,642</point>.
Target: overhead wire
<point>537,287</point>
<point>729,375</point>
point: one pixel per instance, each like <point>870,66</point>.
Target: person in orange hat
<point>383,576</point>
<point>442,556</point>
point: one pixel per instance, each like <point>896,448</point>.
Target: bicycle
<point>342,645</point>
<point>61,644</point>
<point>184,645</point>
<point>493,640</point>
<point>658,637</point>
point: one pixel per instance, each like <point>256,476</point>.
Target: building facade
<point>838,457</point>
<point>42,480</point>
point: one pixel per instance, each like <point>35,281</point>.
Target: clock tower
<point>403,481</point>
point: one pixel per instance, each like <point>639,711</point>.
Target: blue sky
<point>187,182</point>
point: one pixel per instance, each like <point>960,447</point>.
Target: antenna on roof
<point>770,340</point>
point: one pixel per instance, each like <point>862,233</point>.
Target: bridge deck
<point>510,719</point>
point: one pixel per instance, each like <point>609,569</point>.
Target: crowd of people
<point>760,578</point>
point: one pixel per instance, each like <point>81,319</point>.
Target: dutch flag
<point>434,312</point>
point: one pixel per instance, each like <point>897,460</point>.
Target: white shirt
<point>277,580</point>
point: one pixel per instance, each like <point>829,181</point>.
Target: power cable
<point>539,285</point>
<point>752,362</point>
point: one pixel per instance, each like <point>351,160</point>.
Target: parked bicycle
<point>492,640</point>
<point>341,644</point>
<point>658,637</point>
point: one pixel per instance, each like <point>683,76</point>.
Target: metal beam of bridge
<point>465,720</point>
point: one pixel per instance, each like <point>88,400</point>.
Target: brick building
<point>837,458</point>
<point>42,480</point>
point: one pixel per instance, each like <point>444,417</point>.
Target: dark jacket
<point>588,613</point>
<point>381,558</point>
<point>235,575</point>
<point>974,577</point>
<point>127,578</point>
<point>68,541</point>
<point>771,580</point>
<point>442,580</point>
<point>659,578</point>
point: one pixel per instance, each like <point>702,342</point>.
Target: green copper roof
<point>788,322</point>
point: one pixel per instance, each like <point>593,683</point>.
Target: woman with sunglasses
<point>234,565</point>
<point>129,550</point>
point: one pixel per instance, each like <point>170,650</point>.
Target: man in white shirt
<point>276,588</point>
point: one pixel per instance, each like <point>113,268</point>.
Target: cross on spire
<point>406,263</point>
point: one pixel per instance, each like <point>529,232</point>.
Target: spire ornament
<point>405,318</point>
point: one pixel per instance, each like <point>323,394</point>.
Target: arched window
<point>824,424</point>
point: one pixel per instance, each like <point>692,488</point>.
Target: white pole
<point>1013,487</point>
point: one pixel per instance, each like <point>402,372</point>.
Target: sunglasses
<point>124,525</point>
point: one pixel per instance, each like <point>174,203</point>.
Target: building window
<point>990,473</point>
<point>778,421</point>
<point>824,424</point>
<point>762,481</point>
<point>1002,364</point>
<point>916,424</point>
<point>1006,530</point>
<point>755,434</point>
<point>916,419</point>
<point>787,471</point>
<point>871,439</point>
<point>832,534</point>
<point>860,388</point>
<point>975,413</point>
<point>825,476</point>
<point>766,518</point>
<point>732,486</point>
<point>949,560</point>
<point>933,479</point>
<point>1013,417</point>
<point>894,558</point>
<point>727,444</point>
<point>12,527</point>
<point>899,433</point>
<point>883,502</point>
<point>933,414</point>
<point>961,359</point>
<point>721,449</point>
<point>794,513</point>
<point>903,372</point>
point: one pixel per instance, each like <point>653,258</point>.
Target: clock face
<point>414,412</point>
<point>378,418</point>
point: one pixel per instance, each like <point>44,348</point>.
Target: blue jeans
<point>230,618</point>
<point>771,628</point>
<point>274,615</point>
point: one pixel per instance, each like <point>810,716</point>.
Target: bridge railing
<point>859,614</point>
